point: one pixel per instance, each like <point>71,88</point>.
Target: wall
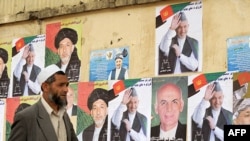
<point>135,24</point>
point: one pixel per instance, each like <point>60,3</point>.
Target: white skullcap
<point>47,72</point>
<point>243,105</point>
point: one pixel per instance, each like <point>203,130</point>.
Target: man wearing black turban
<point>4,78</point>
<point>70,63</point>
<point>98,106</point>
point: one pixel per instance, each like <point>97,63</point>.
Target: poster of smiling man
<point>178,44</point>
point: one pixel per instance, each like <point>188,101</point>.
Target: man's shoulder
<point>182,125</point>
<point>88,133</point>
<point>89,128</point>
<point>191,39</point>
<point>155,131</point>
<point>225,111</point>
<point>157,127</point>
<point>141,115</point>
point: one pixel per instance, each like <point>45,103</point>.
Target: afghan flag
<point>121,85</point>
<point>118,87</point>
<point>202,80</point>
<point>20,43</point>
<point>243,77</point>
<point>168,11</point>
<point>51,31</point>
<point>199,81</point>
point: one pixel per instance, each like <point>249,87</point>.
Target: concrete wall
<point>134,22</point>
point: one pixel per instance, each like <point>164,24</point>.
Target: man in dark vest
<point>210,121</point>
<point>131,124</point>
<point>26,73</point>
<point>119,72</point>
<point>65,42</point>
<point>178,52</point>
<point>98,106</point>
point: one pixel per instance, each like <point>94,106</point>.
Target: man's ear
<point>107,111</point>
<point>182,105</point>
<point>72,48</point>
<point>156,109</point>
<point>91,113</point>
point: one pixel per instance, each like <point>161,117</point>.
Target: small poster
<point>238,50</point>
<point>109,64</point>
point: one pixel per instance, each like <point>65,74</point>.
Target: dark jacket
<point>225,118</point>
<point>33,75</point>
<point>140,122</point>
<point>121,75</point>
<point>180,132</point>
<point>89,132</point>
<point>34,124</point>
<point>190,45</point>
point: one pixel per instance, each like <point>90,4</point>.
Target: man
<point>211,120</point>
<point>168,105</point>
<point>71,107</point>
<point>131,124</point>
<point>65,42</point>
<point>26,72</point>
<point>4,78</point>
<point>98,106</point>
<point>177,48</point>
<point>47,119</point>
<point>119,73</point>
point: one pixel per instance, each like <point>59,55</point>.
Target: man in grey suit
<point>46,120</point>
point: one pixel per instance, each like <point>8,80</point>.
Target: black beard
<point>57,100</point>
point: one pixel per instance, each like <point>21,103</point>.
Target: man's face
<point>2,66</point>
<point>133,104</point>
<point>118,63</point>
<point>99,112</point>
<point>31,58</point>
<point>182,30</point>
<point>58,90</point>
<point>243,117</point>
<point>217,100</point>
<point>168,106</point>
<point>65,50</point>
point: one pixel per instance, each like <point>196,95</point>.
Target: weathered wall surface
<point>134,24</point>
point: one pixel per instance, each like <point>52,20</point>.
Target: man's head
<point>54,84</point>
<point>182,29</point>
<point>98,105</point>
<point>31,57</point>
<point>132,105</point>
<point>169,104</point>
<point>242,114</point>
<point>65,41</point>
<point>118,60</point>
<point>217,100</point>
<point>3,60</point>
